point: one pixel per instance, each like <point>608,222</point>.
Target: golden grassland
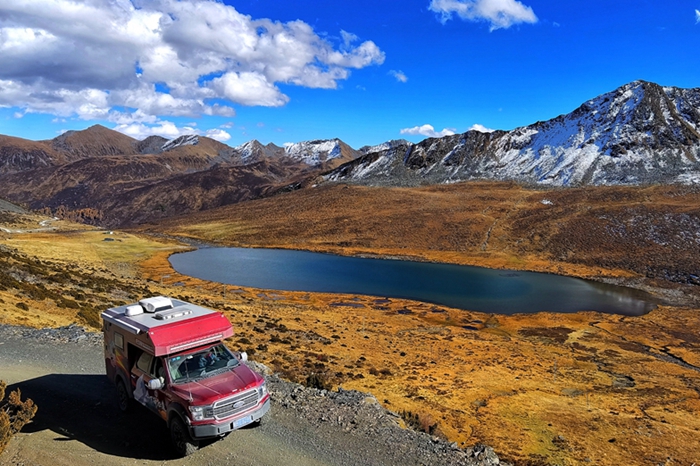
<point>541,389</point>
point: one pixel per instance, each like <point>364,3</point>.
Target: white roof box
<point>155,304</point>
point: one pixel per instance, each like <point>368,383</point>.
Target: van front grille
<point>235,404</point>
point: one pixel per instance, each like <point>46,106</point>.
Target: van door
<point>148,367</point>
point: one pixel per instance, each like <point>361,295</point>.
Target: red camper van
<point>169,356</point>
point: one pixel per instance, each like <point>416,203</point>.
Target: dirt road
<point>78,422</point>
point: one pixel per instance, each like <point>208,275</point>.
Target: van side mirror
<point>155,384</point>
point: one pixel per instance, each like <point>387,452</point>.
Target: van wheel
<point>183,443</point>
<point>122,397</point>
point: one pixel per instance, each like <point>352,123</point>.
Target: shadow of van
<point>83,407</point>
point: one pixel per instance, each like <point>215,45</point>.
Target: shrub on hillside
<point>421,422</point>
<point>14,414</point>
<point>319,381</point>
<point>91,317</point>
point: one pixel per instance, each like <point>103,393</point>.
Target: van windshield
<point>204,363</point>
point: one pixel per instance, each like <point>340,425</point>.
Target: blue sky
<point>363,71</point>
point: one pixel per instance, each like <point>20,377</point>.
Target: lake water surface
<point>462,287</point>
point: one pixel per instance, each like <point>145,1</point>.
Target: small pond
<point>459,286</point>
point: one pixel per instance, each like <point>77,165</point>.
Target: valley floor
<point>541,389</point>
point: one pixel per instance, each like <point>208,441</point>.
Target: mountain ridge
<point>18,154</point>
<point>640,133</point>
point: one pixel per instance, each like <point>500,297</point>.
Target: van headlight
<point>262,391</point>
<point>200,413</point>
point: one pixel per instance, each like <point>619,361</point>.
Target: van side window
<point>119,340</point>
<point>144,362</point>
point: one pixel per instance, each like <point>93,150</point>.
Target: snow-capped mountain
<point>318,152</point>
<point>640,133</point>
<point>253,151</point>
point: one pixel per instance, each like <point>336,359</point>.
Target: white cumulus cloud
<point>480,128</point>
<point>248,89</point>
<point>218,134</point>
<point>348,38</point>
<point>500,14</point>
<point>168,130</point>
<point>697,16</point>
<point>93,58</point>
<point>399,75</point>
<point>428,131</point>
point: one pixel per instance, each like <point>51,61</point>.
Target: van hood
<point>208,390</point>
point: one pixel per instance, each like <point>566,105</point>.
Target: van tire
<point>182,441</point>
<point>123,399</point>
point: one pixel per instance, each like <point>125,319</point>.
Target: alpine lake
<point>458,286</point>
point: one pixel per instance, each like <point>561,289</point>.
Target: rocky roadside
<point>70,333</point>
<point>353,415</point>
<point>361,416</point>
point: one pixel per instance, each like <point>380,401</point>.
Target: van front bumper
<point>216,430</point>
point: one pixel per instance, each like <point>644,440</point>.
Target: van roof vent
<point>171,314</point>
<point>157,303</point>
<point>134,310</point>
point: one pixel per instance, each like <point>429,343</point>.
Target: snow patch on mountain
<point>380,165</point>
<point>314,152</point>
<point>247,151</point>
<point>384,146</point>
<point>186,140</point>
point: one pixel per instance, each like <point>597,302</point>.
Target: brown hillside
<point>195,192</point>
<point>132,188</point>
<point>17,154</point>
<point>84,182</point>
<point>93,142</point>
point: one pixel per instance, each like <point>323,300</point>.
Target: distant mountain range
<point>113,179</point>
<point>193,152</point>
<point>640,133</point>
